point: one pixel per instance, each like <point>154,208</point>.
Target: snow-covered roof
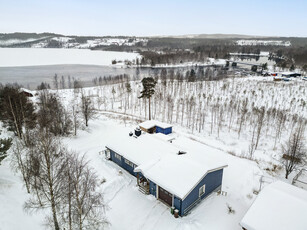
<point>164,137</point>
<point>158,160</point>
<point>152,123</point>
<point>279,206</point>
<point>26,90</point>
<point>142,149</point>
<point>288,73</point>
<point>178,174</point>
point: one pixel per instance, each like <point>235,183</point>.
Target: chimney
<point>181,152</point>
<point>137,131</point>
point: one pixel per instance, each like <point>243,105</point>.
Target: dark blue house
<point>178,180</point>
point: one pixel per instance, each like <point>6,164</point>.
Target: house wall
<point>165,131</point>
<point>152,188</point>
<point>212,181</point>
<point>177,204</point>
<point>122,163</point>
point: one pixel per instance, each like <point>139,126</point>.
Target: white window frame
<point>129,163</point>
<point>119,157</point>
<point>107,153</point>
<point>202,190</point>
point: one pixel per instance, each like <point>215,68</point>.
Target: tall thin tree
<point>148,90</point>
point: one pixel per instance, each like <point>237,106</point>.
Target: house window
<point>117,156</point>
<point>107,153</point>
<point>202,190</point>
<point>129,163</point>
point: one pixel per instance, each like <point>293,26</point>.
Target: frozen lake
<point>31,76</point>
<point>31,66</point>
<point>10,57</point>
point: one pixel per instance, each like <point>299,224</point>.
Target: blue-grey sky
<point>159,17</point>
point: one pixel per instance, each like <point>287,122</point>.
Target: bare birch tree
<point>294,151</point>
<point>87,108</point>
<point>50,155</point>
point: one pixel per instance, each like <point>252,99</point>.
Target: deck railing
<point>144,187</point>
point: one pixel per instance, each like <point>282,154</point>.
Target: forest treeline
<point>284,57</point>
<point>257,113</point>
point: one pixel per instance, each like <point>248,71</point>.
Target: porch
<point>143,184</point>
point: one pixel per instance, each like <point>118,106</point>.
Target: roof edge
<point>209,171</point>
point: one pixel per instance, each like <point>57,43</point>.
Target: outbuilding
<point>153,126</point>
<point>290,74</point>
<point>177,177</point>
<point>278,206</point>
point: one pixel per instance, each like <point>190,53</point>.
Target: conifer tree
<point>16,111</point>
<point>148,90</point>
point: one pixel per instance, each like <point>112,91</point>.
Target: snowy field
<point>35,57</point>
<point>69,42</point>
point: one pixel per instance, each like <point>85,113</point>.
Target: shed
<point>279,206</point>
<point>148,126</point>
<point>153,126</point>
<point>163,128</point>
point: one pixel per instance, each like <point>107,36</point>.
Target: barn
<point>177,177</point>
<point>152,126</point>
<point>278,206</point>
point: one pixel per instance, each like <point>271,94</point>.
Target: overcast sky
<point>156,17</point>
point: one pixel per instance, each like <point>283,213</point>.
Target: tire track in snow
<point>149,215</point>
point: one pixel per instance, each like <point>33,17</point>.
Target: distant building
<point>279,206</point>
<point>290,74</point>
<point>26,92</point>
<point>179,178</point>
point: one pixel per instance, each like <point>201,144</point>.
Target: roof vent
<point>131,134</point>
<point>181,152</point>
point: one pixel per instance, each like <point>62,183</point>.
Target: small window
<point>202,190</point>
<point>107,154</point>
<point>117,156</point>
<point>129,163</point>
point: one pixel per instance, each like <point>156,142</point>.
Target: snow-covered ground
<point>112,42</point>
<point>18,41</point>
<point>70,42</point>
<point>33,57</point>
<point>130,209</point>
<point>263,42</point>
<point>261,54</point>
